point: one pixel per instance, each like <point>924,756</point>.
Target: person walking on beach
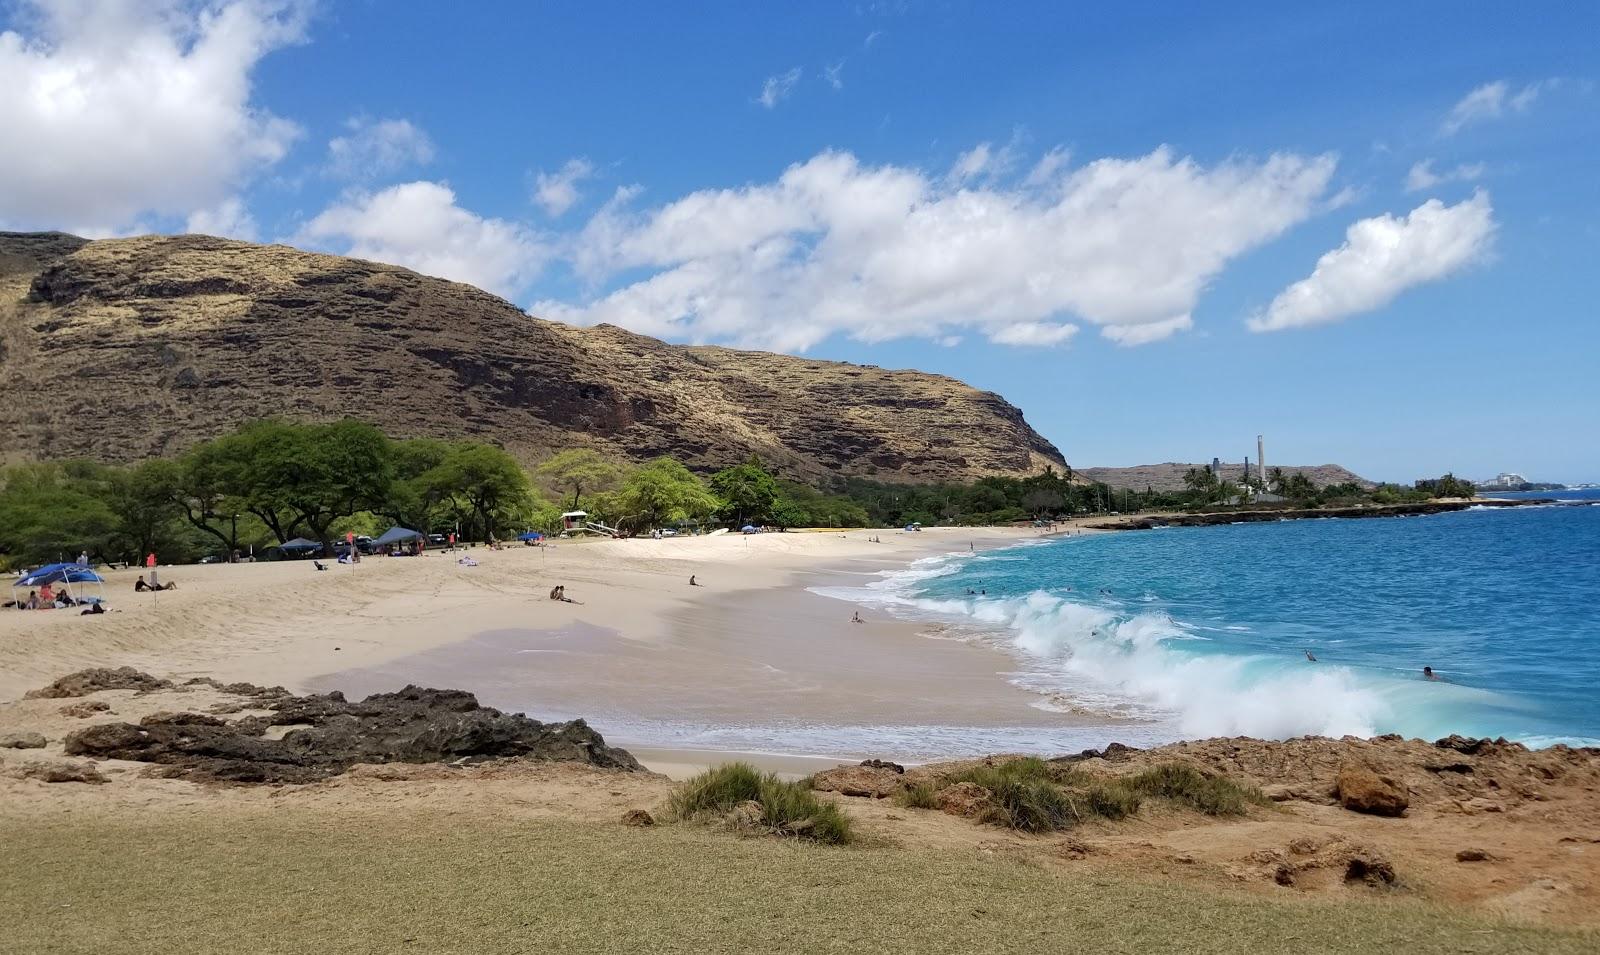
<point>856,617</point>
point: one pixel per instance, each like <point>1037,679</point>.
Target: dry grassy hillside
<point>1169,476</point>
<point>125,348</point>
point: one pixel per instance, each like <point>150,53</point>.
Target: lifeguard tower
<point>577,522</point>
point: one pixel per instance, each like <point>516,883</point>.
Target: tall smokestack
<point>1261,462</point>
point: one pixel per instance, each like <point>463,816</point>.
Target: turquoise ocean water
<point>1194,632</point>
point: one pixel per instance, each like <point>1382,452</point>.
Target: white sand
<point>284,623</point>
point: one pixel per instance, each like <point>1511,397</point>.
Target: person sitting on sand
<point>139,586</point>
<point>92,609</point>
<point>32,602</point>
<point>692,581</point>
<point>856,617</point>
<point>47,596</point>
<point>555,593</point>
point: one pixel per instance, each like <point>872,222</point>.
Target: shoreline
<point>1353,512</point>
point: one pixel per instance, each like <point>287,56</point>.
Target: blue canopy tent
<point>66,574</point>
<point>530,536</point>
<point>397,535</point>
<point>299,547</point>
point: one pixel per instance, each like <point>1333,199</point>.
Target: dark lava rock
<point>85,709</point>
<point>241,689</point>
<point>882,764</point>
<point>1477,747</point>
<point>415,725</point>
<point>94,680</point>
<point>68,772</point>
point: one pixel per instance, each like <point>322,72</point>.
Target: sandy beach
<point>748,644</point>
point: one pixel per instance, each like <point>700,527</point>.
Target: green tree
<point>54,511</point>
<point>575,471</point>
<point>1042,502</point>
<point>1202,484</point>
<point>416,497</point>
<point>142,499</point>
<point>1298,487</point>
<point>487,478</point>
<point>747,491</point>
<point>662,492</point>
<point>308,474</point>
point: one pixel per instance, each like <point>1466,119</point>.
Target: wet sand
<point>768,674</point>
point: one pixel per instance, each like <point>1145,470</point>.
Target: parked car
<point>437,540</point>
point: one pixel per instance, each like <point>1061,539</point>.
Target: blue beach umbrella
<point>530,536</point>
<point>59,574</point>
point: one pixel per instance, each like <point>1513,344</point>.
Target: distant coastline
<point>1210,519</point>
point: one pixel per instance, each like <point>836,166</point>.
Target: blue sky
<point>1368,231</point>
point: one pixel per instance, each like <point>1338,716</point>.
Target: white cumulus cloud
<point>112,109</point>
<point>1491,101</point>
<point>834,246</point>
<point>373,148</point>
<point>1030,333</point>
<point>776,89</point>
<point>228,219</point>
<point>1382,257</point>
<point>556,192</point>
<point>1424,176</point>
<point>420,226</point>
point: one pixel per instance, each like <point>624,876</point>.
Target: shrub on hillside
<point>787,808</point>
<point>1188,786</point>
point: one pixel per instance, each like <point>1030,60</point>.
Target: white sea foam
<point>1093,658</point>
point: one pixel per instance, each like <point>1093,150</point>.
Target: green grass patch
<point>1189,787</point>
<point>787,808</point>
<point>715,791</point>
<point>1035,796</point>
<point>1110,799</point>
<point>922,795</point>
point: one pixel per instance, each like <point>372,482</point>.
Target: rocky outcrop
<point>187,336</point>
<point>877,782</point>
<point>963,799</point>
<point>22,741</point>
<point>70,771</point>
<point>96,679</point>
<point>1215,518</point>
<point>314,737</point>
<point>1362,790</point>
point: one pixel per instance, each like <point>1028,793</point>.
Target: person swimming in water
<point>1312,657</point>
<point>1428,674</point>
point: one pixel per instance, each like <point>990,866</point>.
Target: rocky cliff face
<point>121,349</point>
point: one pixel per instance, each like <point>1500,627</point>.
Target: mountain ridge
<point>122,349</point>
